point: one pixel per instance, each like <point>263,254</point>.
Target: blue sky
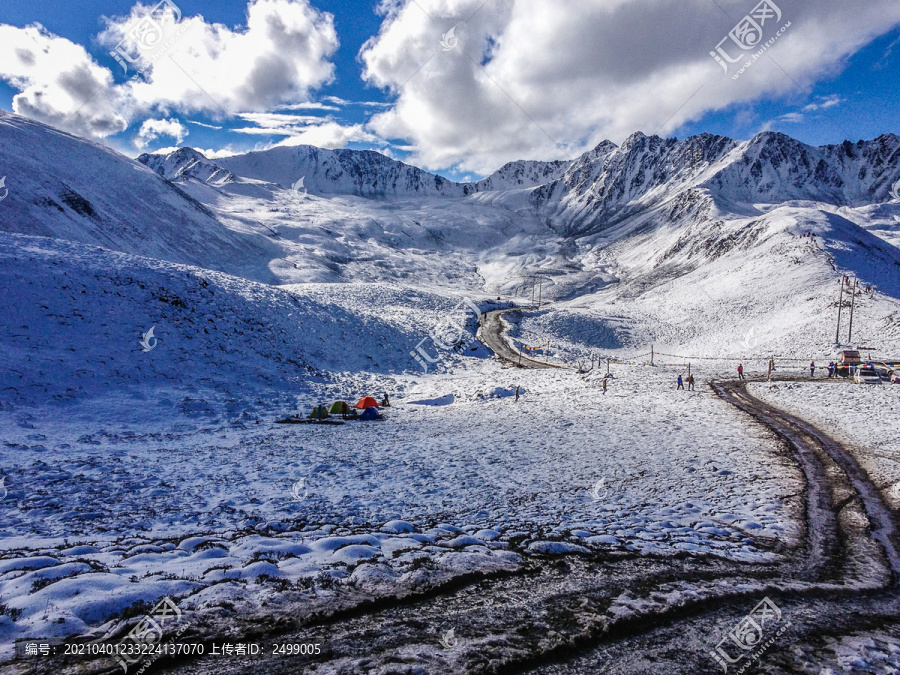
<point>571,81</point>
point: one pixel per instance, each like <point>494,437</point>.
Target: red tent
<point>366,402</point>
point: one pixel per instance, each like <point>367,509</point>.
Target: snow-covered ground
<point>863,417</point>
<point>101,515</point>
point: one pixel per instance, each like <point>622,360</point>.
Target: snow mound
<point>449,399</point>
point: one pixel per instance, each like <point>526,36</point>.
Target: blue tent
<point>370,413</point>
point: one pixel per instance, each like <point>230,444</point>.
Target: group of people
<point>868,289</point>
<point>681,381</point>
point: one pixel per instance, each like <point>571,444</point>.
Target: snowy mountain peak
<point>523,174</point>
<point>185,163</point>
<point>363,173</point>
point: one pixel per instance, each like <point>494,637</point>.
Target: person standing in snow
<point>741,370</point>
<point>680,384</point>
<point>517,392</point>
<point>604,385</point>
<point>812,369</point>
<point>690,383</point>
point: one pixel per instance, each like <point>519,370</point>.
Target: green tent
<point>319,413</point>
<point>339,408</point>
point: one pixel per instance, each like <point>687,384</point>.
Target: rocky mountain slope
<point>65,187</point>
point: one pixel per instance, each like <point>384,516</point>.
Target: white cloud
<point>330,135</point>
<point>152,129</point>
<point>203,124</point>
<point>280,120</point>
<point>278,58</point>
<point>227,151</point>
<point>306,130</point>
<point>824,103</point>
<point>533,79</point>
<point>310,105</point>
<point>59,83</point>
<point>792,117</point>
<point>210,154</point>
<point>369,104</point>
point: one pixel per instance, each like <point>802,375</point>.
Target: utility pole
<point>852,303</point>
<point>532,292</point>
<point>689,370</point>
<point>837,335</point>
<point>607,367</point>
<point>651,355</point>
<point>540,289</point>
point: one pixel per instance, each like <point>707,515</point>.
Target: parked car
<point>895,377</point>
<point>882,369</point>
<point>867,376</point>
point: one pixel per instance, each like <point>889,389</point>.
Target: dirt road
<point>491,333</point>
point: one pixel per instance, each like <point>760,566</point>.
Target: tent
<point>366,402</point>
<point>339,408</point>
<point>319,413</point>
<point>370,413</point>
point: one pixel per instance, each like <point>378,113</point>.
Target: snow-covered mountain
<point>646,171</point>
<point>525,174</point>
<point>68,188</point>
<point>341,172</point>
<point>187,163</point>
<point>626,220</point>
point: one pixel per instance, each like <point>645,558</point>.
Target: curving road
<point>491,333</point>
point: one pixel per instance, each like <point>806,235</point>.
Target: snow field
<point>209,509</point>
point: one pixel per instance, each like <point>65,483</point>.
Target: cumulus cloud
<point>278,58</point>
<point>59,83</point>
<point>281,54</point>
<point>152,129</point>
<point>533,79</point>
